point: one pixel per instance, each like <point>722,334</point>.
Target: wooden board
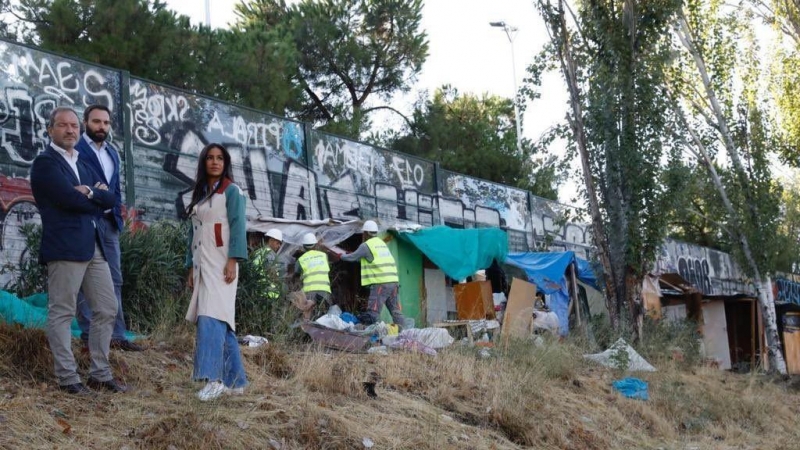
<point>715,333</point>
<point>518,317</point>
<point>474,300</point>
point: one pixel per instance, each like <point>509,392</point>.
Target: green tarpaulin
<point>31,312</point>
<point>459,253</point>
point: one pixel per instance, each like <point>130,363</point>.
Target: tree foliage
<point>475,135</point>
<point>719,84</point>
<point>348,52</point>
<point>150,41</point>
<point>614,58</point>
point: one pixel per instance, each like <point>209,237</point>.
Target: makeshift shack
<point>786,290</point>
<point>556,274</point>
<point>447,256</point>
<point>730,325</point>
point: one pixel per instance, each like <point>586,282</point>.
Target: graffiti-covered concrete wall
<point>32,83</point>
<point>358,180</point>
<point>287,170</point>
<point>169,127</point>
<point>711,271</point>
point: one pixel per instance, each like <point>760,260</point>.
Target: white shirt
<point>72,160</point>
<point>106,162</point>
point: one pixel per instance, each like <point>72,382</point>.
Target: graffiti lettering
<point>696,271</point>
<point>341,158</point>
<point>292,141</point>
<point>151,112</point>
<point>405,172</point>
<point>252,134</point>
<point>788,291</point>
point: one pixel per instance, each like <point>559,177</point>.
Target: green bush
<point>256,312</point>
<point>154,294</point>
<point>29,277</point>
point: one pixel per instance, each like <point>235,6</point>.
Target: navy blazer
<point>87,154</point>
<point>69,228</point>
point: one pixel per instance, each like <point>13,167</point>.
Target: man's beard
<point>96,137</point>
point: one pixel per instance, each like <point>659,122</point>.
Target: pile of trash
<point>380,336</point>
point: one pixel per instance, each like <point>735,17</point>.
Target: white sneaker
<point>234,391</point>
<point>211,391</point>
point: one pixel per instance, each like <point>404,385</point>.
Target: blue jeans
<point>216,355</point>
<point>110,246</point>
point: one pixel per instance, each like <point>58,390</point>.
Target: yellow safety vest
<point>314,265</point>
<point>382,269</point>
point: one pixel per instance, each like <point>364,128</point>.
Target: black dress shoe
<point>76,389</point>
<point>126,345</point>
<point>109,385</point>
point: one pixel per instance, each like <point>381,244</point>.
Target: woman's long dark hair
<point>201,180</point>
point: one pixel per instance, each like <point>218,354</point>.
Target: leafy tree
<point>147,39</point>
<point>788,258</point>
<point>784,17</point>
<point>614,59</point>
<point>718,45</point>
<point>347,53</point>
<point>475,136</point>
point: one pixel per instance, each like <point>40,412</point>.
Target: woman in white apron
<point>217,243</point>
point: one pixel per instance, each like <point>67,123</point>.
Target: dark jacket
<point>69,218</point>
<point>88,155</point>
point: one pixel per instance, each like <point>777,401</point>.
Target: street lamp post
<point>511,33</point>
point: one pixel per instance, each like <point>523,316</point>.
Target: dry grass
<point>304,398</point>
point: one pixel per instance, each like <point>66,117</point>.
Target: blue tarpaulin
<point>459,253</point>
<point>547,272</point>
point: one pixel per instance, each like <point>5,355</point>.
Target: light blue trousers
<point>216,355</point>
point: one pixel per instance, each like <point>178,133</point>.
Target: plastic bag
<point>334,321</point>
<point>632,388</point>
<point>431,337</point>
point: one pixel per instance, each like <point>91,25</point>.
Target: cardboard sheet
<point>518,317</point>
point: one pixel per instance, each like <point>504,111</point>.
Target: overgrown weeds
<point>24,353</point>
<point>154,275</point>
<point>28,277</point>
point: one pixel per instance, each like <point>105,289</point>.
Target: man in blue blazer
<point>70,198</point>
<point>103,158</point>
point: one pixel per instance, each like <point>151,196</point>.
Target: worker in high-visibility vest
<point>314,271</point>
<point>379,272</point>
<point>272,267</point>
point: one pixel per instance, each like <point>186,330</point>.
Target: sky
<point>464,51</point>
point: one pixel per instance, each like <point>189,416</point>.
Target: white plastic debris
<point>378,350</point>
<point>367,442</point>
<point>254,341</point>
<point>622,354</point>
<point>432,337</point>
<point>334,321</point>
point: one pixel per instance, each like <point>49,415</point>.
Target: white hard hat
<point>276,234</point>
<point>370,227</point>
<point>309,239</point>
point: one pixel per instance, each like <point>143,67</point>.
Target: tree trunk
<point>774,350</point>
<point>559,36</point>
<point>633,299</point>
